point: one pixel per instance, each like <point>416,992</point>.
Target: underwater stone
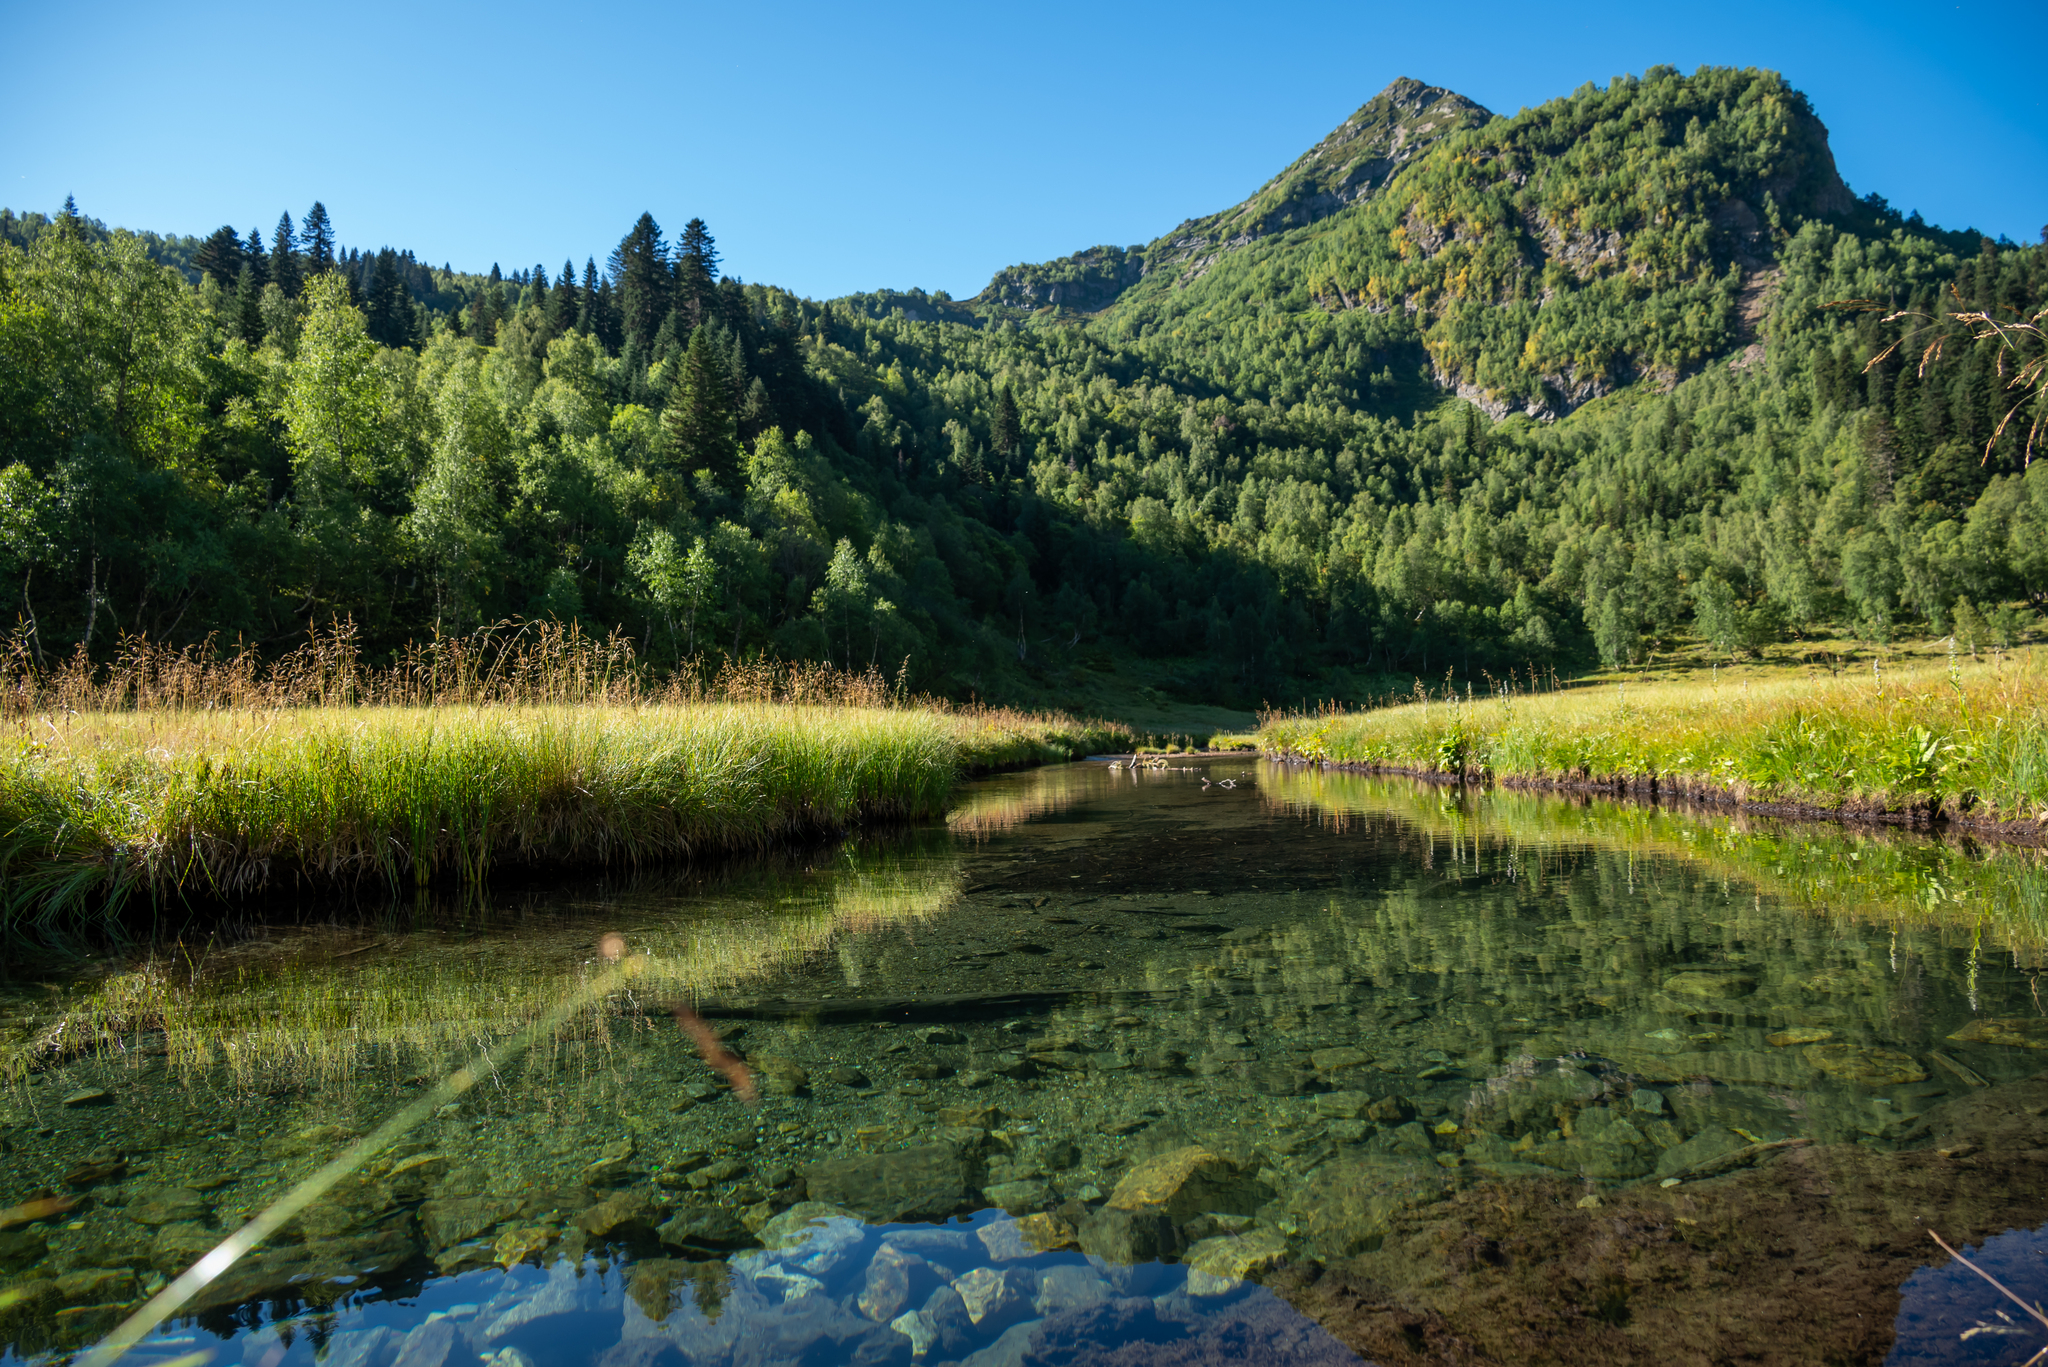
<point>2024,1032</point>
<point>626,1215</point>
<point>780,1076</point>
<point>1798,1034</point>
<point>613,1162</point>
<point>1238,1256</point>
<point>1336,1060</point>
<point>1343,1105</point>
<point>1709,1143</point>
<point>1188,1181</point>
<point>451,1221</point>
<point>705,1227</point>
<point>1070,1286</point>
<point>164,1205</point>
<point>913,1325</point>
<point>924,1183</point>
<point>994,1296</point>
<point>815,1235</point>
<point>1019,1197</point>
<point>886,1290</point>
<point>19,1248</point>
<point>1124,1236</point>
<point>849,1077</point>
<point>1709,986</point>
<point>1865,1067</point>
<point>1648,1100</point>
<point>91,1096</point>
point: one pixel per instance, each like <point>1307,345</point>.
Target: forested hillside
<point>1452,391</point>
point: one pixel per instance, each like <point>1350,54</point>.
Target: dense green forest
<point>1452,391</point>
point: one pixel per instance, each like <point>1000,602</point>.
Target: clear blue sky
<point>844,146</point>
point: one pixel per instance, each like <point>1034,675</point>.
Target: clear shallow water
<point>1136,1039</point>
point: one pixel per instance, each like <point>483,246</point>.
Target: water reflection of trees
<point>1993,896</point>
<point>321,1005</point>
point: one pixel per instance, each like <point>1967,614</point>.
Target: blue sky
<point>835,147</point>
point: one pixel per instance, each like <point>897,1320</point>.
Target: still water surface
<point>1061,1083</point>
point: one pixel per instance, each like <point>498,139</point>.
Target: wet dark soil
<point>1795,1263</point>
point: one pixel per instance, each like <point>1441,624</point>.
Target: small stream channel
<point>1107,1071</point>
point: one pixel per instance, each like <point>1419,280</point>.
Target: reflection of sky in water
<point>1951,1317</point>
<point>1359,995</point>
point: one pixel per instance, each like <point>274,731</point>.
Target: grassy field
<point>98,807</point>
<point>1954,736</point>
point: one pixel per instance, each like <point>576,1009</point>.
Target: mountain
<point>1520,247</point>
<point>1357,157</point>
<point>1451,392</point>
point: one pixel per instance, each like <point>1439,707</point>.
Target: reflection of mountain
<point>1840,871</point>
<point>310,1008</point>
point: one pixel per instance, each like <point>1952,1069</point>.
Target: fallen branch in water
<point>2032,1310</point>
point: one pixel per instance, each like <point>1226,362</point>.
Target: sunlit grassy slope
<point>1963,737</point>
<point>98,807</point>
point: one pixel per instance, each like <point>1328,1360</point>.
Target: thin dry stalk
<point>2033,1311</point>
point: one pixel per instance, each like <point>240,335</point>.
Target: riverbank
<point>98,810</point>
<point>1963,743</point>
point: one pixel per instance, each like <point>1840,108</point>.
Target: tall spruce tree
<point>563,305</point>
<point>697,274</point>
<point>284,257</point>
<point>640,274</point>
<point>317,236</point>
<point>247,320</point>
<point>220,256</point>
<point>586,303</point>
<point>257,259</point>
<point>1005,432</point>
<point>698,424</point>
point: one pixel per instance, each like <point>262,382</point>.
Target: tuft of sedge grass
<point>1995,896</point>
<point>1966,738</point>
<point>97,808</point>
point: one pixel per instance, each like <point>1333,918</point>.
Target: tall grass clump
<point>172,773</point>
<point>1969,739</point>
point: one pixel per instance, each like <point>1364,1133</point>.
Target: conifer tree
<point>563,305</point>
<point>606,311</point>
<point>246,321</point>
<point>317,236</point>
<point>586,303</point>
<point>1005,431</point>
<point>220,256</point>
<point>697,274</point>
<point>698,423</point>
<point>257,259</point>
<point>639,272</point>
<point>284,258</point>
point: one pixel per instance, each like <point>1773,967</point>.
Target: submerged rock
<point>1709,986</point>
<point>1238,1256</point>
<point>814,1236</point>
<point>925,1183</point>
<point>887,1288</point>
<point>780,1076</point>
<point>2024,1032</point>
<point>995,1297</point>
<point>1188,1181</point>
<point>1867,1067</point>
<point>1348,1205</point>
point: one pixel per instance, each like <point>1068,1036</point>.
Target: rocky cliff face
<point>1357,158</point>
